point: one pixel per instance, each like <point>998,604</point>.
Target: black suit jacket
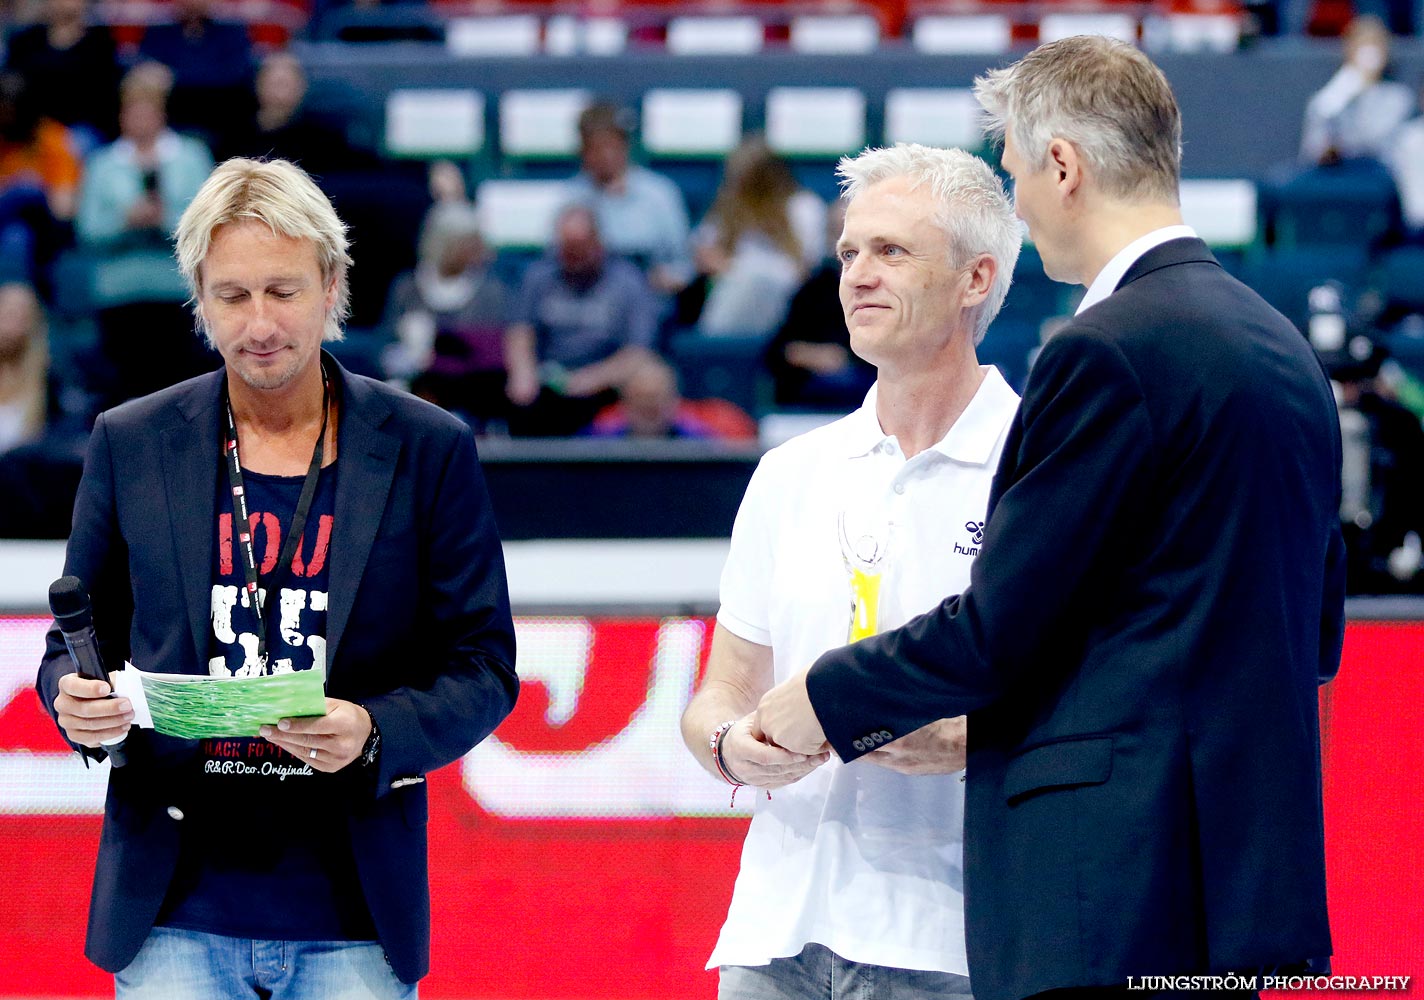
<point>418,630</point>
<point>1159,591</point>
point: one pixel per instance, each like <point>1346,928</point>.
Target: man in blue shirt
<point>583,323</point>
<point>640,213</point>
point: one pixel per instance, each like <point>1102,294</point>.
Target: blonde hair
<point>151,81</point>
<point>1102,95</point>
<point>974,212</point>
<point>283,197</point>
<point>755,196</point>
<point>28,381</point>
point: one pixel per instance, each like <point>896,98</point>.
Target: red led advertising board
<point>580,852</point>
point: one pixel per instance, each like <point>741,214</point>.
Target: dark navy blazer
<point>418,631</point>
<point>1159,591</point>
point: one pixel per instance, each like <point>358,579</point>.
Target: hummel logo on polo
<point>976,532</point>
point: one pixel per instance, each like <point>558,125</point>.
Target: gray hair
<point>445,223</point>
<point>974,212</point>
<point>284,198</point>
<point>1102,95</point>
<point>148,80</point>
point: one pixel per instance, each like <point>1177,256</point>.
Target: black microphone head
<point>69,603</point>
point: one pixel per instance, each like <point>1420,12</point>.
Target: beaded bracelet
<point>714,743</point>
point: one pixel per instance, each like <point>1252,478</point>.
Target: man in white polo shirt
<point>851,881</point>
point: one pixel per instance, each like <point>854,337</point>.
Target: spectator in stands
<point>810,360</point>
<point>761,236</point>
<point>1357,113</point>
<point>650,407</point>
<point>39,175</point>
<point>1383,482</point>
<point>641,214</point>
<point>1329,19</point>
<point>73,69</point>
<point>582,325</point>
<point>1405,160</point>
<point>134,192</point>
<point>284,126</point>
<point>40,452</point>
<point>211,62</point>
<point>448,316</point>
<point>24,367</point>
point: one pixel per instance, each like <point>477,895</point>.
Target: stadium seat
<point>1400,281</point>
<point>687,133</point>
<point>815,122</point>
<point>73,277</point>
<point>1406,348</point>
<point>732,34</point>
<point>933,116</point>
<point>834,34</point>
<point>37,487</point>
<point>401,22</point>
<point>541,124</point>
<point>1192,32</point>
<point>360,351</point>
<point>384,209</point>
<point>493,35</point>
<point>1349,204</point>
<point>727,368</point>
<point>962,34</point>
<point>593,35</point>
<point>433,122</point>
<point>691,122</point>
<point>1284,277</point>
<point>519,214</point>
<point>1222,211</point>
<point>1033,296</point>
<point>1113,24</point>
<point>1009,346</point>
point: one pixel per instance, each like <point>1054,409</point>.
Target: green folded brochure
<point>193,707</point>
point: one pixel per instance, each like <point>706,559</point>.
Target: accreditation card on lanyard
<point>299,517</point>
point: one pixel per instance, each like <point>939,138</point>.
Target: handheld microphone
<point>69,602</point>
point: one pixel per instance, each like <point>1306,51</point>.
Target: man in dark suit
<point>290,863</point>
<point>1159,590</point>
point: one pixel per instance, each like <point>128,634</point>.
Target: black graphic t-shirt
<point>266,852</point>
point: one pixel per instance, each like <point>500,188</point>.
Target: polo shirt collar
<point>863,433</point>
<point>970,441</point>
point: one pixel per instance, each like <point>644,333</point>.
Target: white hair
<point>1102,95</point>
<point>974,213</point>
<point>283,197</point>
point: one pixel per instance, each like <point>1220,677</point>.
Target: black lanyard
<point>244,524</point>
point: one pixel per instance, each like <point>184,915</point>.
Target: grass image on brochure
<point>233,708</point>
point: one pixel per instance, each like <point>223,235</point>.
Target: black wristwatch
<point>372,747</point>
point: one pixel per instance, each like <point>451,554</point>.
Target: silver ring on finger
<point>312,753</point>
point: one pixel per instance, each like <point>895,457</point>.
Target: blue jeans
<point>820,974</point>
<point>190,965</point>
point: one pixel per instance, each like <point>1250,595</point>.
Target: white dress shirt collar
<point>1107,280</point>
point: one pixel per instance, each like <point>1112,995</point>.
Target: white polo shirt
<point>856,857</point>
